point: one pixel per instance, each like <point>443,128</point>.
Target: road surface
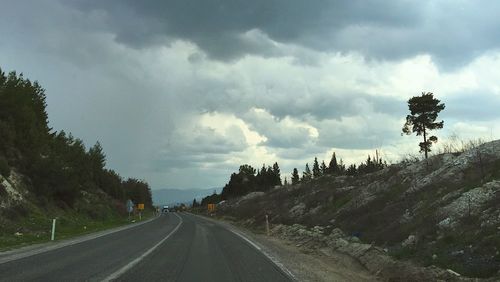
<point>173,247</point>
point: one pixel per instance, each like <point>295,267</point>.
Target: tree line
<point>246,180</point>
<point>249,179</point>
<point>58,165</point>
<point>337,168</point>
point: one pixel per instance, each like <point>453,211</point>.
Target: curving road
<point>173,247</point>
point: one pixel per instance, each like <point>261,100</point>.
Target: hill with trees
<point>441,211</point>
<point>400,220</point>
<point>44,168</point>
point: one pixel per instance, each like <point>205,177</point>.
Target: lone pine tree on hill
<point>424,110</point>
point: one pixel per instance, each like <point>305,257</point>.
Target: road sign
<point>140,207</point>
<point>130,206</point>
<point>211,207</point>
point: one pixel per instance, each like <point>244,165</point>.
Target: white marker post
<point>53,229</point>
<point>267,225</point>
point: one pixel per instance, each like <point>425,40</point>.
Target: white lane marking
<point>248,240</point>
<point>131,264</point>
<point>46,247</point>
<point>273,259</point>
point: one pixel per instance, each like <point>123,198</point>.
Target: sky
<point>181,92</point>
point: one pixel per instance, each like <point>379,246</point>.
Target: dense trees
<point>248,180</point>
<point>138,191</point>
<point>58,164</point>
<point>424,110</point>
<point>337,168</point>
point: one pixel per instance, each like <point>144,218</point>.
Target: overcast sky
<point>181,93</point>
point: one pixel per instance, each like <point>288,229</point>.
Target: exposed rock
<point>431,198</point>
<point>445,223</point>
<point>410,241</point>
<point>297,210</point>
<point>373,258</point>
<point>472,201</point>
<point>251,196</point>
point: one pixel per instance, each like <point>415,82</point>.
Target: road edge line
<point>35,249</point>
<point>274,260</point>
<point>232,229</point>
<point>128,266</point>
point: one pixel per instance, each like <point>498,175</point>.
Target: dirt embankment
<point>439,214</point>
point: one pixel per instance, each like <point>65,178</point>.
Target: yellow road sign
<point>140,207</point>
<point>211,207</point>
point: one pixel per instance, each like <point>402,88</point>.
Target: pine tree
<point>424,110</point>
<point>333,167</point>
<point>316,171</point>
<point>341,167</point>
<point>351,170</point>
<point>276,174</point>
<point>97,156</point>
<point>323,168</point>
<point>306,175</point>
<point>295,176</point>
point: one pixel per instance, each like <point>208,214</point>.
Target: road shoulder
<point>303,264</point>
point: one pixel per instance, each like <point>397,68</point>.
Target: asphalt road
<point>173,247</point>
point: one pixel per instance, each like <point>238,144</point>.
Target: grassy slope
<point>93,212</point>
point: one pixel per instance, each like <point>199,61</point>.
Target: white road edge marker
<point>131,264</point>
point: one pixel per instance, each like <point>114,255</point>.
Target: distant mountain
<point>174,196</point>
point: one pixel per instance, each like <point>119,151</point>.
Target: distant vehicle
<point>165,209</point>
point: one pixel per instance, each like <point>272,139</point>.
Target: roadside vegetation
<point>46,173</point>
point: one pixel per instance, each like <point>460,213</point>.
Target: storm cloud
<point>183,92</point>
<point>389,30</point>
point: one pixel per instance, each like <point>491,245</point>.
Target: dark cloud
<point>116,71</point>
<point>198,145</point>
<point>481,106</point>
<point>377,29</point>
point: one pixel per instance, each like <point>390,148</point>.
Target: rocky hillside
<point>444,211</point>
<point>26,218</point>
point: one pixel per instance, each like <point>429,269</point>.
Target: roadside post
<point>140,207</point>
<point>52,237</point>
<point>267,225</point>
